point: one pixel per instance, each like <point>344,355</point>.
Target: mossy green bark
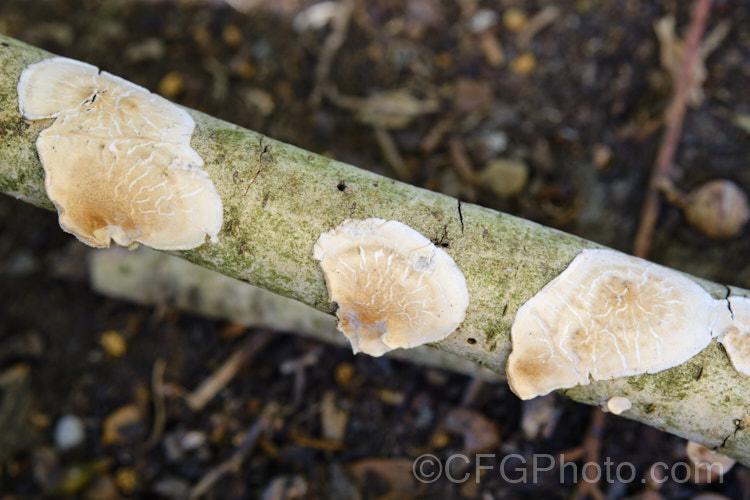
<point>278,199</point>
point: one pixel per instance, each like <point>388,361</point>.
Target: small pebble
<point>202,36</point>
<point>192,440</point>
<point>490,144</point>
<point>719,209</point>
<point>244,69</point>
<point>172,487</point>
<point>390,397</point>
<point>440,440</point>
<point>126,480</point>
<point>504,177</point>
<point>514,19</point>
<point>232,36</point>
<point>20,264</point>
<point>113,343</point>
<point>69,433</point>
<point>483,20</point>
<point>172,84</point>
<point>443,60</point>
<point>259,101</point>
<point>602,156</point>
<point>150,49</point>
<point>524,64</point>
<point>344,374</point>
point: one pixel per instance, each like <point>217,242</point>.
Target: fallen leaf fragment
<point>672,53</point>
<point>333,419</point>
<point>123,425</point>
<point>396,473</point>
<point>479,433</point>
<point>287,488</point>
<point>539,416</point>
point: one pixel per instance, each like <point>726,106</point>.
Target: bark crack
<point>460,216</point>
<point>262,160</point>
<point>729,304</point>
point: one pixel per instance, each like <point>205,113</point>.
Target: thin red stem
<point>674,119</point>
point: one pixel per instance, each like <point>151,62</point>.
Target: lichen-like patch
<point>493,331</point>
<point>637,383</point>
<point>117,159</point>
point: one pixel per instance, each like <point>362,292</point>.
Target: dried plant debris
<point>479,433</point>
<point>672,50</point>
<point>390,109</point>
<point>117,159</point>
<point>394,288</point>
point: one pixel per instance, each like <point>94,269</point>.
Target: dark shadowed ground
<point>570,94</point>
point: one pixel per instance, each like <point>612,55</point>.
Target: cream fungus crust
<point>735,335</point>
<point>394,288</point>
<point>609,315</point>
<point>117,159</point>
<point>618,405</point>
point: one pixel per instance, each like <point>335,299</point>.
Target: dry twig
<point>234,462</point>
<point>460,161</point>
<point>392,156</point>
<point>205,392</point>
<point>537,23</point>
<point>331,46</point>
<point>160,410</point>
<point>674,118</point>
<point>591,448</point>
<point>297,367</point>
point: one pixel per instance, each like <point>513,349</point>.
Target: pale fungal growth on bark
<point>117,159</point>
<point>735,335</point>
<point>707,465</point>
<point>607,315</point>
<point>394,288</point>
<point>618,404</point>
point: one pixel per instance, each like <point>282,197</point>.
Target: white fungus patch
<point>735,335</point>
<point>708,464</point>
<point>618,404</point>
<point>117,159</point>
<point>608,315</point>
<point>394,288</point>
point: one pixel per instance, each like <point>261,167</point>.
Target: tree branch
<point>278,199</point>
